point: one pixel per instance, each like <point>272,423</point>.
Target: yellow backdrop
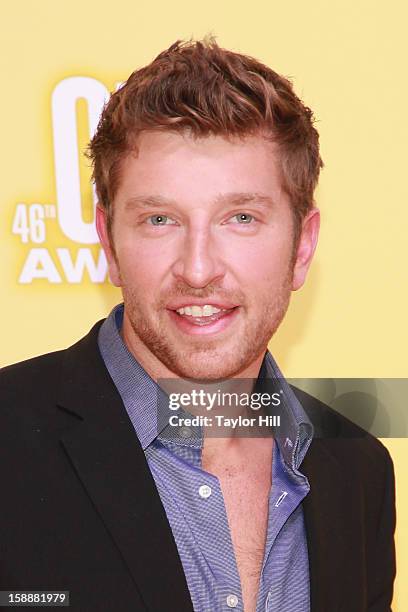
<point>348,62</point>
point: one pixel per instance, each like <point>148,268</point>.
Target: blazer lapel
<point>327,521</point>
<point>107,457</point>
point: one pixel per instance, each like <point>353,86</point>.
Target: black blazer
<point>79,509</point>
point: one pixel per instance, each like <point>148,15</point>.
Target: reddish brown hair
<point>207,90</point>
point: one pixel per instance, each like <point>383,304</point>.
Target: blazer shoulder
<point>28,391</point>
<point>27,373</point>
<point>339,433</point>
<point>37,379</point>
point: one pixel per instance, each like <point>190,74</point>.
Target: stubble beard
<point>208,359</point>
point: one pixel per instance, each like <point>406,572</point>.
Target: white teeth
<point>197,311</point>
<point>208,310</point>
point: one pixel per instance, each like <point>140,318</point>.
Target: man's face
<point>204,223</point>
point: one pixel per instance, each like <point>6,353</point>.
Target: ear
<point>102,229</point>
<point>306,247</point>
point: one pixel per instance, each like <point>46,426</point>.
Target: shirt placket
<point>198,497</point>
<point>287,492</point>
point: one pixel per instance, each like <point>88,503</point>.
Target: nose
<point>199,261</point>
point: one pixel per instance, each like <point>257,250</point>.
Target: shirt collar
<point>141,395</point>
<point>296,433</point>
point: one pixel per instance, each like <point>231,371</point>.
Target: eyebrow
<point>234,199</point>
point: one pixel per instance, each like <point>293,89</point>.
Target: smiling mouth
<point>205,320</point>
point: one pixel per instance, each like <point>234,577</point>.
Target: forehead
<point>178,166</point>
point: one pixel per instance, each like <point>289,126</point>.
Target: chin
<point>196,372</point>
<point>204,369</point>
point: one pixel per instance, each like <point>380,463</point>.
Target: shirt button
<point>185,432</point>
<point>232,601</point>
<point>204,491</point>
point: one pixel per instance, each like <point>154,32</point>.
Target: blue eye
<point>158,220</point>
<point>243,218</point>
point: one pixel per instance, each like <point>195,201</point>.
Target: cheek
<point>141,266</point>
<point>263,261</point>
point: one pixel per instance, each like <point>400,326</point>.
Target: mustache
<point>202,293</point>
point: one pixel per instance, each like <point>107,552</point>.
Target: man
<point>205,165</point>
